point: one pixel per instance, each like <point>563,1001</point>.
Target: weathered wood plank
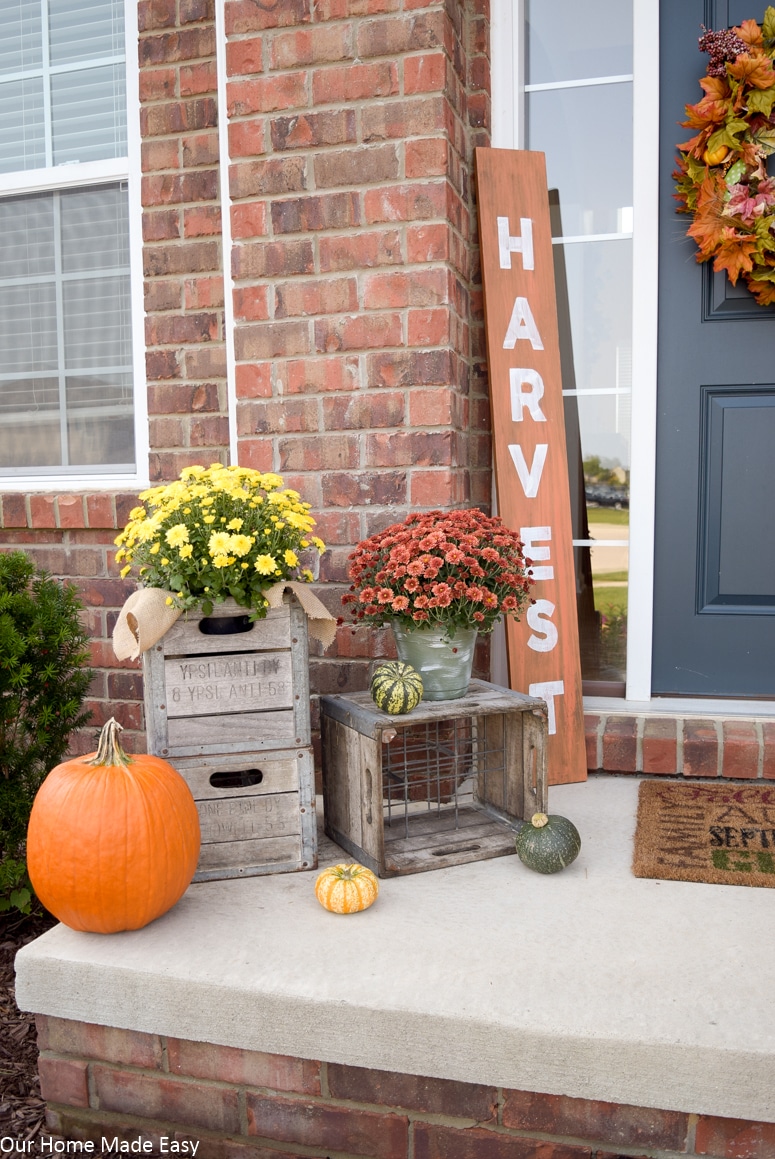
<point>357,710</point>
<point>237,733</point>
<point>270,634</point>
<point>249,858</point>
<point>277,776</point>
<point>248,817</point>
<point>226,684</point>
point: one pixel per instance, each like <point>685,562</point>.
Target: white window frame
<point>508,132</point>
<point>92,173</point>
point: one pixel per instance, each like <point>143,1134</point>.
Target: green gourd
<point>396,687</point>
<point>548,844</point>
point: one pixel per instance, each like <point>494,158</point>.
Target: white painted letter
<point>529,477</point>
<point>522,325</point>
<point>530,536</point>
<point>530,398</point>
<point>508,245</point>
<point>547,691</point>
<point>539,618</point>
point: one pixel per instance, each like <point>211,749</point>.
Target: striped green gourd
<point>396,687</point>
<point>548,844</point>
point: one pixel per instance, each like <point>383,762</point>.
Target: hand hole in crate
<point>243,779</point>
<point>225,625</point>
<point>439,776</point>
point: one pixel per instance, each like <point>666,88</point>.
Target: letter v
<point>529,477</point>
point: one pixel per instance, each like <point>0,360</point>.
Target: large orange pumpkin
<point>113,840</point>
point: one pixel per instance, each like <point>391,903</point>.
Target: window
<point>578,110</point>
<point>66,343</point>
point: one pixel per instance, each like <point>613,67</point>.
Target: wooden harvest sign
<point>531,468</point>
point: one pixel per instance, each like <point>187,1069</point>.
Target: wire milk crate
<point>442,785</point>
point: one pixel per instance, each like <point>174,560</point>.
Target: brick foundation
<point>680,746</point>
<point>104,1082</point>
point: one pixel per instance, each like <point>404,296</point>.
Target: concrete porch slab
<point>590,983</point>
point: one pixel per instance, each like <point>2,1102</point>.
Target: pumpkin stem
<point>538,820</point>
<point>109,751</point>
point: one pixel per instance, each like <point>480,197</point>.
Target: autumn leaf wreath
<point>722,179</point>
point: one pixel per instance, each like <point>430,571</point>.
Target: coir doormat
<point>721,833</point>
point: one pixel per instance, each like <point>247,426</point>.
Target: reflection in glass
<point>585,134</point>
<point>569,41</point>
<point>584,127</point>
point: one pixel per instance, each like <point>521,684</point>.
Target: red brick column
<point>101,1082</point>
<point>359,374</point>
<point>182,253</point>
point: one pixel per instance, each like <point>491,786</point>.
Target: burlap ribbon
<point>146,616</point>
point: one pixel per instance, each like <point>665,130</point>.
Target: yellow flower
<point>169,601</point>
<point>126,570</point>
<point>266,565</point>
<point>291,558</point>
<point>319,544</point>
<point>219,543</point>
<point>164,562</point>
<point>235,524</point>
<point>309,577</point>
<point>120,555</point>
<point>154,549</point>
<point>186,551</point>
<point>209,519</point>
<point>222,560</point>
<point>177,535</point>
<point>240,544</point>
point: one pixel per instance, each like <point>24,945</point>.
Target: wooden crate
<point>449,782</point>
<point>256,812</point>
<point>240,692</point>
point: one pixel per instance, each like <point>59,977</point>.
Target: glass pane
<point>21,45</point>
<point>81,321</point>
<point>100,425</point>
<point>97,329</point>
<point>576,128</point>
<point>22,129</point>
<point>28,329</point>
<point>88,112</point>
<point>568,41</point>
<point>95,229</point>
<point>34,443</point>
<point>85,30</point>
<point>594,290</point>
<point>27,229</point>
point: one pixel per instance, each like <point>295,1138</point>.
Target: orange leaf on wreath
<point>754,69</point>
<point>709,227</point>
<point>708,111</point>
<point>750,33</point>
<point>716,87</point>
<point>735,255</point>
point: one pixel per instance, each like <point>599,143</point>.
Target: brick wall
<point>100,1081</point>
<point>357,323</point>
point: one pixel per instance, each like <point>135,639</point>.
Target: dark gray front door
<point>714,599</point>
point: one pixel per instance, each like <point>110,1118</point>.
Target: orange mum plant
<point>722,179</point>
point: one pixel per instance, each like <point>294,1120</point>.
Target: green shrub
<point>43,683</point>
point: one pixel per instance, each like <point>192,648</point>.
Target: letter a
<point>529,477</point>
<point>522,325</point>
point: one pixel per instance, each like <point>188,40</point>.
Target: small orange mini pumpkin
<point>113,840</point>
<point>346,889</point>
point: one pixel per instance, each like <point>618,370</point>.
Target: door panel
<point>714,598</point>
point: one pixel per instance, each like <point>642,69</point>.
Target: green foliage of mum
<point>43,683</point>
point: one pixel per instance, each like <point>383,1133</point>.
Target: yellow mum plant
<point>218,532</point>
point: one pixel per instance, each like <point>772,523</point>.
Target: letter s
<point>539,618</point>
